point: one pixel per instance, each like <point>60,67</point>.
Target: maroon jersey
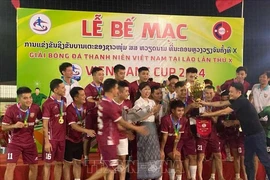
<point>226,85</point>
<point>167,127</point>
<point>15,114</point>
<point>127,105</point>
<point>133,88</point>
<point>51,112</point>
<point>94,92</point>
<point>77,116</point>
<point>108,115</point>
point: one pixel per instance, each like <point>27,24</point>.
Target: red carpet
<point>21,171</point>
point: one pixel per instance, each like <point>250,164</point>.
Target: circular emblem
<point>222,31</point>
<point>40,24</point>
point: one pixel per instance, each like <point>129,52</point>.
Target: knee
<point>192,157</point>
<point>200,157</point>
<point>33,167</point>
<point>217,155</point>
<point>11,166</point>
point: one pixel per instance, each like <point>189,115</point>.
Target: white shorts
<point>122,148</point>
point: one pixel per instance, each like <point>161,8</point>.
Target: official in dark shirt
<point>255,140</point>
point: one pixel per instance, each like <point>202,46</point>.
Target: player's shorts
<point>237,143</point>
<point>213,144</point>
<point>109,156</point>
<point>73,151</point>
<point>122,147</point>
<point>29,153</point>
<point>57,154</point>
<point>187,147</point>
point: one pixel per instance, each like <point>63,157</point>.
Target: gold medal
<point>176,134</point>
<point>61,120</point>
<point>25,124</point>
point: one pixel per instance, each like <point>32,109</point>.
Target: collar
<point>19,107</point>
<point>94,85</point>
<point>118,103</point>
<point>264,89</point>
<point>65,83</point>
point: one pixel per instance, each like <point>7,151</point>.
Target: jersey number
<point>199,147</point>
<point>48,156</point>
<point>9,156</point>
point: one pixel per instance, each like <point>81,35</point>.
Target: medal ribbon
<point>99,89</point>
<point>26,116</point>
<point>176,126</point>
<point>61,107</point>
<point>78,113</point>
<point>168,95</point>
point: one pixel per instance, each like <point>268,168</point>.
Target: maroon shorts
<point>237,143</point>
<point>109,156</point>
<point>57,154</point>
<point>91,122</point>
<point>213,144</point>
<point>187,147</point>
<point>29,153</point>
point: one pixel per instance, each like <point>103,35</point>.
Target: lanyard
<point>99,89</point>
<point>61,106</point>
<point>78,112</point>
<point>168,96</point>
<point>26,116</point>
<point>176,126</point>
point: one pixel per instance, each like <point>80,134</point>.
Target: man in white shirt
<point>170,93</point>
<point>66,69</point>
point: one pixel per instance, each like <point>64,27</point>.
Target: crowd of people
<point>172,125</point>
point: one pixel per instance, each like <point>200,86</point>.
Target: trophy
<point>196,93</point>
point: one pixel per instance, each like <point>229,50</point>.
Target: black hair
<point>208,81</point>
<point>75,91</point>
<point>173,77</point>
<point>96,69</point>
<point>22,90</point>
<point>142,69</point>
<point>150,80</point>
<point>191,70</point>
<point>176,104</point>
<point>118,67</point>
<point>141,86</point>
<point>109,84</point>
<point>238,86</point>
<point>153,88</point>
<point>224,93</point>
<point>64,66</point>
<point>241,68</point>
<point>267,73</point>
<point>37,88</point>
<point>180,84</point>
<point>209,87</point>
<point>122,84</point>
<point>55,83</point>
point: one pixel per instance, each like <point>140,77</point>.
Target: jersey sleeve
<point>71,117</point>
<point>114,114</point>
<point>46,113</point>
<point>164,125</point>
<point>8,117</point>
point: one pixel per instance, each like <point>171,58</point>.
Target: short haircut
<point>208,81</point>
<point>173,77</point>
<point>209,87</point>
<point>153,88</point>
<point>109,84</point>
<point>37,88</point>
<point>118,67</point>
<point>224,93</point>
<point>142,69</point>
<point>267,73</point>
<point>191,70</point>
<point>95,70</point>
<point>176,104</point>
<point>141,86</point>
<point>55,83</point>
<point>22,90</point>
<point>64,66</point>
<point>238,86</point>
<point>75,91</point>
<point>122,84</point>
<point>241,68</point>
<point>180,84</point>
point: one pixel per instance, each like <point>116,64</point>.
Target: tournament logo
<point>40,24</point>
<point>77,72</point>
<point>222,31</point>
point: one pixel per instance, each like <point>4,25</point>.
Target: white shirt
<point>261,98</point>
<point>141,102</point>
<point>68,87</point>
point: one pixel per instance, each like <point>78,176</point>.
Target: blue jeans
<point>256,144</point>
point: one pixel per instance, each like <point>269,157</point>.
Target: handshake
<point>136,113</point>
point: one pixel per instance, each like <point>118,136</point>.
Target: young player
<point>19,120</point>
<point>121,100</point>
<point>94,93</point>
<point>66,70</point>
<point>170,94</point>
<point>134,86</point>
<point>119,72</point>
<point>108,133</point>
<point>191,75</point>
<point>172,128</point>
<point>54,129</point>
<point>76,113</point>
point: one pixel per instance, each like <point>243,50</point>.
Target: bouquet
<point>136,113</point>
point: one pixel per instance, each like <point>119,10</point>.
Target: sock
<point>85,157</point>
<point>213,176</point>
<point>193,171</point>
<point>171,174</point>
<point>237,175</point>
<point>179,177</point>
